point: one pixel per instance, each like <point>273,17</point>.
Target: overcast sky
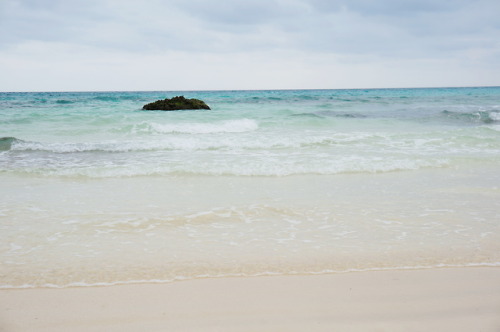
<point>88,45</point>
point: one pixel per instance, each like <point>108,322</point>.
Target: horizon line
<point>242,90</point>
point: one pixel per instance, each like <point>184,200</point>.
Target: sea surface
<point>96,191</point>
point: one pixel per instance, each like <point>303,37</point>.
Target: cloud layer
<point>247,44</point>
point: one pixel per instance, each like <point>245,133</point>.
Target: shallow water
<point>96,191</point>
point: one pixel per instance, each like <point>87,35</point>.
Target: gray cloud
<point>45,20</point>
<point>239,12</point>
<point>387,7</point>
<point>364,32</point>
<point>400,28</point>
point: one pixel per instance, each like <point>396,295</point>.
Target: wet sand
<point>457,299</point>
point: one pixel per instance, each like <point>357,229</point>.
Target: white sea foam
<point>495,127</point>
<point>241,167</point>
<point>228,126</point>
<point>495,116</point>
<point>346,143</point>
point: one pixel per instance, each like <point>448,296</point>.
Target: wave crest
<point>228,126</point>
<point>487,117</point>
<point>6,143</point>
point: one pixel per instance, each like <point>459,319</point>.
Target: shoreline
<point>462,299</point>
<point>244,276</point>
<point>258,90</point>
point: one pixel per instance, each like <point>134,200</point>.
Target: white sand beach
<point>452,299</point>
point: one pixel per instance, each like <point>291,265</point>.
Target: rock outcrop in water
<point>176,103</point>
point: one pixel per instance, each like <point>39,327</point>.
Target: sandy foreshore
<point>452,299</point>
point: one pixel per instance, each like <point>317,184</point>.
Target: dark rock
<point>176,103</point>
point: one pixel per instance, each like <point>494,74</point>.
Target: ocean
<point>96,191</point>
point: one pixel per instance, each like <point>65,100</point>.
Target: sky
<point>115,45</point>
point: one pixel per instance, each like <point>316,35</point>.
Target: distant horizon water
<point>96,191</point>
<point>254,89</point>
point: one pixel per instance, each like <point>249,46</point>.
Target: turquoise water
<point>261,133</point>
<point>98,191</point>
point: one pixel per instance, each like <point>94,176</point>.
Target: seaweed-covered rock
<point>176,103</point>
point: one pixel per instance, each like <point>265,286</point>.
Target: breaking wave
<point>228,126</point>
<point>6,143</point>
<point>486,117</point>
